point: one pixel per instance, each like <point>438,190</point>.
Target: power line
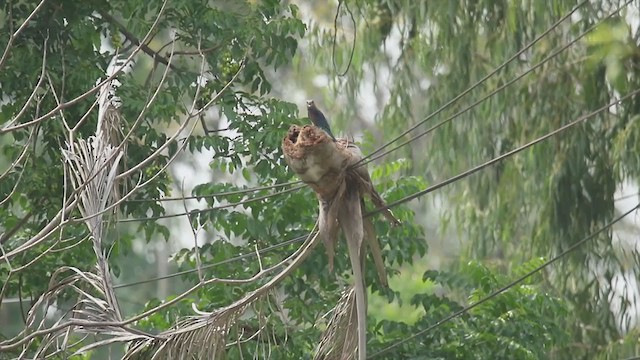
<point>430,189</point>
<point>479,82</point>
<point>367,159</point>
<point>371,158</point>
<point>225,261</point>
<point>200,211</point>
<point>413,196</point>
<point>403,200</point>
<point>503,156</point>
<point>627,196</point>
<point>506,287</point>
<point>227,193</point>
<point>430,116</point>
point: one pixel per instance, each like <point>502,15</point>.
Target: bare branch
<point>214,326</point>
<point>179,131</point>
<point>131,37</point>
<point>43,234</point>
<point>219,94</point>
<point>22,155</point>
<point>93,90</point>
<point>58,101</point>
<point>12,231</point>
<point>13,36</point>
<point>59,220</point>
<point>297,257</point>
<point>199,52</point>
<point>195,238</point>
<point>17,183</point>
<point>24,108</point>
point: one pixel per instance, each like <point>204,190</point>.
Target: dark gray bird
<point>317,118</point>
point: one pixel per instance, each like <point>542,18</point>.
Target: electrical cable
<point>479,82</point>
<point>413,196</point>
<point>508,286</point>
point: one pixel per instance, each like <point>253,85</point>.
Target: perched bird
<point>317,118</point>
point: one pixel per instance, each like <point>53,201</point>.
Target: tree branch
<point>13,35</point>
<point>131,37</point>
<point>11,232</point>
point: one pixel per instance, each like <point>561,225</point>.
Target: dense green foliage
<point>402,60</point>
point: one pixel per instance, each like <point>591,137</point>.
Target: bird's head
<point>311,104</point>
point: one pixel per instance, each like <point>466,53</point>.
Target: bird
<point>317,118</point>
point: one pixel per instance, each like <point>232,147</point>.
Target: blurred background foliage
<point>377,68</point>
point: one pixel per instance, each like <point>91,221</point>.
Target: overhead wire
<point>375,155</point>
<point>367,159</point>
<point>220,194</point>
<point>208,266</point>
<point>508,286</point>
<point>428,117</point>
<point>416,194</point>
<point>505,155</point>
<point>398,202</point>
<point>479,82</point>
<point>218,207</point>
<point>371,156</point>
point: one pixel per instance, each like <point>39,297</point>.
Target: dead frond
<point>206,336</point>
<point>198,337</point>
<point>331,169</point>
<point>339,341</point>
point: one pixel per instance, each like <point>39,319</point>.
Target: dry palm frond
<point>92,165</point>
<point>330,168</point>
<point>198,337</point>
<point>339,341</point>
<point>206,336</point>
<point>89,315</point>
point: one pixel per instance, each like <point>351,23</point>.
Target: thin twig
<point>335,35</point>
<point>195,238</point>
<point>224,206</point>
<point>131,37</point>
<point>43,70</point>
<point>9,233</point>
<point>15,34</point>
<point>296,258</point>
<point>221,194</point>
<point>199,52</point>
<point>93,90</point>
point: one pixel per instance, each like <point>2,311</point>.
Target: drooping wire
<point>219,207</point>
<point>367,159</point>
<point>505,155</point>
<point>406,199</point>
<point>416,194</point>
<point>479,82</point>
<point>430,116</point>
<point>371,158</point>
<point>506,287</point>
<point>225,261</point>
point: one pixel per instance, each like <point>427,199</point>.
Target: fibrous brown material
<point>330,168</point>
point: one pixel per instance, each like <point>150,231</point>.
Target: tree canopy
<point>148,210</point>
